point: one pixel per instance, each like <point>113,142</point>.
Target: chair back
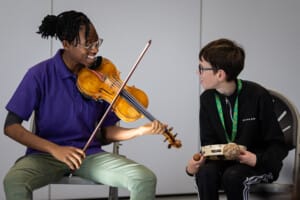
<point>288,118</point>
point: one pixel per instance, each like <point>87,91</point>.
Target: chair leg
<point>49,192</point>
<point>113,193</point>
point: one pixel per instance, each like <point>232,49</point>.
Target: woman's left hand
<point>155,127</point>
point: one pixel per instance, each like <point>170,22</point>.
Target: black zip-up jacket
<point>258,128</point>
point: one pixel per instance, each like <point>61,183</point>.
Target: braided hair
<point>65,26</point>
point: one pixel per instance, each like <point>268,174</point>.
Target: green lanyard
<point>235,113</point>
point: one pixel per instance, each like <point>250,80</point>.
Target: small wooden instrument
<point>228,151</point>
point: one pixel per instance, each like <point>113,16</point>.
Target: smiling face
<point>82,53</point>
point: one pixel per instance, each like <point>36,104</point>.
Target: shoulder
<point>40,67</point>
<point>253,88</point>
<point>207,95</point>
<point>47,67</point>
<point>255,94</point>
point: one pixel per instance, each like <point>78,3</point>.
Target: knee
<point>148,175</point>
<point>207,176</point>
<point>207,172</point>
<point>144,177</point>
<point>8,181</point>
<point>11,183</point>
<point>16,180</point>
<point>142,185</point>
<point>231,177</point>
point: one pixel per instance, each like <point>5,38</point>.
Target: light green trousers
<point>35,171</point>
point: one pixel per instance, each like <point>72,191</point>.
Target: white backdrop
<point>268,30</point>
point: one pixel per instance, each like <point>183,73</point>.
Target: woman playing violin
<point>65,119</point>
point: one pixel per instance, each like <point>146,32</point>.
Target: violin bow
<point>117,95</point>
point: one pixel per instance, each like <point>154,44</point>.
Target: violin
<point>102,81</point>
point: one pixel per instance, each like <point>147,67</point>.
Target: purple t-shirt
<point>63,115</point>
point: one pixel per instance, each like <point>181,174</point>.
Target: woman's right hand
<point>71,156</point>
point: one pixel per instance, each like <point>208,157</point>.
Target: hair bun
<point>48,26</point>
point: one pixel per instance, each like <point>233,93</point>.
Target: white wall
<point>267,29</point>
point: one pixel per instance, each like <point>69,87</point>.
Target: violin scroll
<point>171,139</point>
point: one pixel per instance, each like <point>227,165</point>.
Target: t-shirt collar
<point>61,67</point>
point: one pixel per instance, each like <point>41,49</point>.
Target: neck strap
<point>235,113</point>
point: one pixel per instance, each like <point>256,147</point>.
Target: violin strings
<point>138,105</point>
<point>116,83</point>
<point>131,99</point>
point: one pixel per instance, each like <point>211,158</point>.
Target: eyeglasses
<point>202,69</point>
<point>90,46</point>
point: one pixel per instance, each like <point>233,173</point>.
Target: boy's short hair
<point>224,54</point>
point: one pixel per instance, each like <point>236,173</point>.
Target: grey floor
<point>277,196</point>
<point>222,197</point>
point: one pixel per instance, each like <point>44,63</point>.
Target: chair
<point>288,118</point>
<point>76,180</point>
